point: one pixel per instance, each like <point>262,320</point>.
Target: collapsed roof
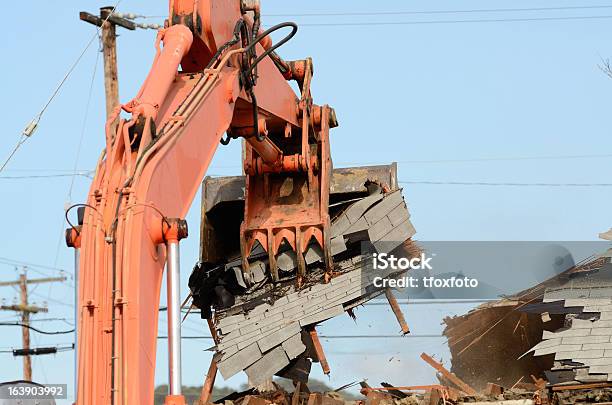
<point>559,330</point>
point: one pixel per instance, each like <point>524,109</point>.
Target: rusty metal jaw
<point>286,203</point>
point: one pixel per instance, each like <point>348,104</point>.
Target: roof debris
<point>267,328</point>
<point>557,334</point>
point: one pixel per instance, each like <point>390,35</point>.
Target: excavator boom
<point>214,73</point>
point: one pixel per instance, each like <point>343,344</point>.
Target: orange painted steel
<point>151,169</point>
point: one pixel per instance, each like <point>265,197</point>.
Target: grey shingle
<point>380,229</point>
<point>597,308</point>
<point>583,302</point>
<point>294,346</point>
<point>237,362</point>
<point>398,215</point>
<point>585,324</point>
<point>381,209</point>
<point>359,226</point>
<point>557,349</point>
<point>230,320</point>
<point>294,313</point>
<point>585,354</point>
<point>594,362</point>
<point>322,315</point>
<point>261,370</point>
<point>337,245</point>
<point>315,254</point>
<point>395,238</point>
<point>566,333</point>
<point>601,331</point>
<point>263,324</point>
<point>584,339</point>
<point>287,261</point>
<point>603,369</point>
<point>601,292</point>
<point>278,337</point>
<point>565,293</point>
<point>352,214</point>
<point>595,346</point>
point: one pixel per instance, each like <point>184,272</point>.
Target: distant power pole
<point>25,309</point>
<point>108,23</point>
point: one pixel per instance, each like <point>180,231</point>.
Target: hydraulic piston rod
<point>174,319</point>
<point>173,232</point>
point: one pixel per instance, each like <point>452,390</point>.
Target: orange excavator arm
<point>214,73</point>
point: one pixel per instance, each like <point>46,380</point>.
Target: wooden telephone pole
<point>26,309</point>
<point>108,23</point>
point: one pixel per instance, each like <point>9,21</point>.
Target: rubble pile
<point>387,394</point>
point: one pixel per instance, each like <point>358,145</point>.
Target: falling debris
<point>267,328</point>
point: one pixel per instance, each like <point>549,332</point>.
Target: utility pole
<point>108,22</point>
<point>26,309</point>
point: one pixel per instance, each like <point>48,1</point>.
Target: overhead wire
<point>468,160</point>
<point>503,184</point>
<point>53,300</point>
<point>409,12</point>
<point>427,22</point>
<point>21,141</point>
<point>64,320</point>
<point>495,159</point>
<point>59,349</point>
<point>48,176</point>
<point>31,127</point>
<point>84,124</point>
<point>88,173</point>
<point>43,332</point>
<point>33,266</point>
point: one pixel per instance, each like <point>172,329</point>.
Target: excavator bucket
<point>266,326</point>
<point>225,216</point>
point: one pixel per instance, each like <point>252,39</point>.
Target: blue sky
<point>434,92</point>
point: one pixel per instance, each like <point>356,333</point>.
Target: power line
<point>53,300</point>
<point>24,325</point>
<point>21,141</point>
<point>64,320</point>
<point>26,310</point>
<point>487,184</point>
<point>398,12</point>
<point>38,350</point>
<point>83,126</point>
<point>31,127</point>
<point>468,160</point>
<point>47,176</point>
<point>36,268</point>
<point>14,262</point>
<point>491,20</point>
<point>67,171</point>
<point>497,159</point>
<point>88,173</point>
